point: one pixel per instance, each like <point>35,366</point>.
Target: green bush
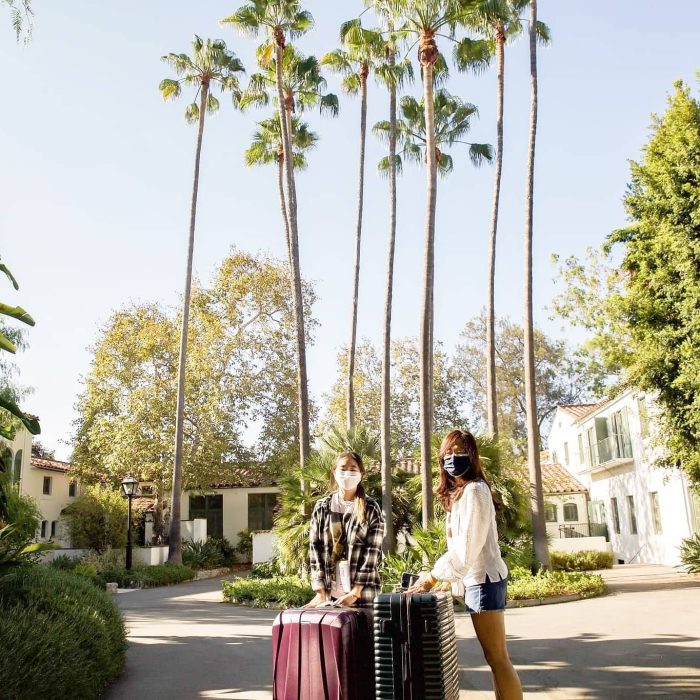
<point>215,552</point>
<point>61,638</point>
<point>147,576</point>
<point>279,592</point>
<point>546,584</point>
<point>588,560</point>
<point>266,569</point>
<point>64,563</point>
<point>690,554</point>
<point>244,548</point>
<point>97,519</point>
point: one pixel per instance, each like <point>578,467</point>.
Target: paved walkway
<point>636,643</point>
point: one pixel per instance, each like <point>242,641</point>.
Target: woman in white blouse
<point>472,565</point>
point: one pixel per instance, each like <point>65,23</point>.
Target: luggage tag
<point>344,572</point>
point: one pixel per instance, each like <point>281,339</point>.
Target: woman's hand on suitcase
<point>320,598</point>
<point>425,583</point>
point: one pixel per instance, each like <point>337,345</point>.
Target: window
<point>566,454</point>
<point>591,447</point>
<point>655,512</point>
<point>44,525</point>
<point>570,512</point>
<point>620,445</point>
<point>581,459</point>
<point>615,515</point>
<point>261,507</point>
<point>53,528</point>
<point>643,417</point>
<point>17,473</point>
<point>550,512</point>
<point>72,488</point>
<point>212,508</point>
<point>632,515</point>
<point>47,486</point>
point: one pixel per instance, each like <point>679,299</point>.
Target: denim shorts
<point>486,597</point>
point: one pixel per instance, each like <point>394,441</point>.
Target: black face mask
<point>457,465</point>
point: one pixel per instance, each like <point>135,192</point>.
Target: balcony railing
<point>583,530</point>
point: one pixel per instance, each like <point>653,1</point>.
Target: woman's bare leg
<point>491,632</point>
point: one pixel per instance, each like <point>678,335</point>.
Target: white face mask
<point>347,480</point>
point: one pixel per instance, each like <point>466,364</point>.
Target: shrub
<point>690,554</point>
<point>278,592</point>
<point>97,519</point>
<point>64,563</point>
<point>588,560</point>
<point>61,638</point>
<point>244,548</point>
<point>147,576</point>
<point>228,551</point>
<point>265,569</point>
<point>202,555</point>
<point>546,584</point>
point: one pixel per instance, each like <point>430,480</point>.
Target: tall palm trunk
<point>428,55</point>
<point>297,297</point>
<point>358,246</point>
<point>389,543</point>
<point>283,204</point>
<point>174,538</point>
<point>539,531</point>
<point>491,397</point>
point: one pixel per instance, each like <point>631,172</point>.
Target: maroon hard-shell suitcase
<point>323,654</point>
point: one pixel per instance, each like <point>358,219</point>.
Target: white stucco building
<point>246,501</point>
<point>47,481</point>
<point>607,446</point>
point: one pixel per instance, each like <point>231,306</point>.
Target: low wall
<point>194,530</point>
<point>264,546</point>
<point>51,554</point>
<point>150,556</point>
<point>580,544</point>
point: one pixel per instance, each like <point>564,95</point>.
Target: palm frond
<point>480,152</point>
<point>472,55</point>
<point>192,113</point>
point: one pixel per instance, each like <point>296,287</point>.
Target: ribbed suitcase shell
<point>323,654</point>
<point>415,647</point>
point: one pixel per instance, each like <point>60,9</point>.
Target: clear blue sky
<point>96,174</point>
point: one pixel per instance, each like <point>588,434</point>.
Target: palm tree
<point>539,531</point>
<point>277,20</point>
<point>210,66</point>
<point>363,49</point>
<point>424,20</point>
<point>267,148</point>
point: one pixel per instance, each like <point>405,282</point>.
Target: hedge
<point>588,560</point>
<point>60,636</point>
<point>523,585</point>
<point>146,576</point>
<point>278,592</point>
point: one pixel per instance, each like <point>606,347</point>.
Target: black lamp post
<point>129,485</point>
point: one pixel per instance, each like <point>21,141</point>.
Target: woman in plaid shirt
<point>345,539</point>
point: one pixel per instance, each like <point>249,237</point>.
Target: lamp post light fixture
<point>129,486</point>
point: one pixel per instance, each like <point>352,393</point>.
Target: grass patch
<point>278,592</point>
<point>548,584</point>
<point>587,560</point>
<point>60,636</point>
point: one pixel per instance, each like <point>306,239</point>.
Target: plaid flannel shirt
<point>364,542</point>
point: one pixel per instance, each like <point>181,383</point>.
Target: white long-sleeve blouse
<point>472,540</point>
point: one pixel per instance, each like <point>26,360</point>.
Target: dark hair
<point>459,442</point>
<point>360,494</point>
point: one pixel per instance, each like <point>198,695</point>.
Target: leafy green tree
<point>211,65</point>
<point>97,519</point>
<point>277,20</point>
<point>241,338</point>
<point>562,376</point>
<point>539,531</point>
<point>361,55</point>
<point>660,306</point>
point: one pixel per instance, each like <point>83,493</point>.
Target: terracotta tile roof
<point>555,479</point>
<point>245,478</point>
<point>582,410</point>
<point>51,465</point>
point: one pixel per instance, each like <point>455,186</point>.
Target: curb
<point>531,602</point>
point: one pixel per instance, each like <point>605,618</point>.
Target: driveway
<point>637,642</point>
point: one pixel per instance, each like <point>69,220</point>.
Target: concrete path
<point>635,643</point>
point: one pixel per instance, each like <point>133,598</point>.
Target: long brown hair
<point>459,442</point>
<point>360,494</point>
